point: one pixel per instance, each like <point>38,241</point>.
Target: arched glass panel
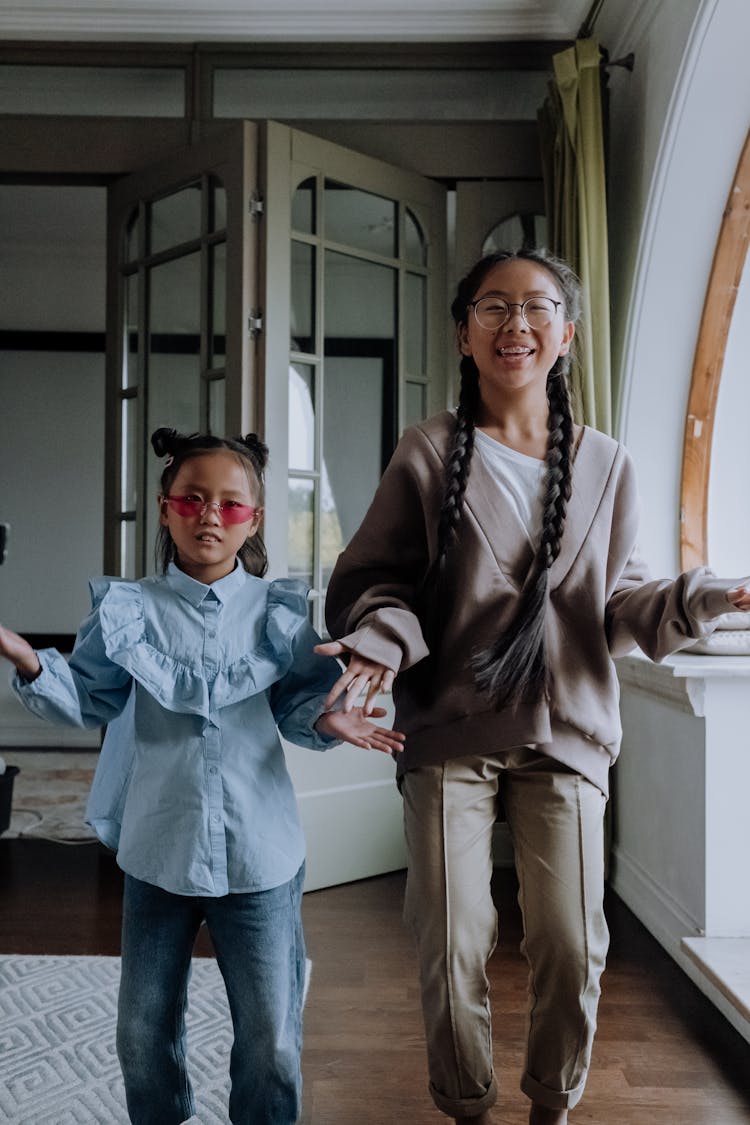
<point>303,207</point>
<point>415,247</point>
<point>517,232</point>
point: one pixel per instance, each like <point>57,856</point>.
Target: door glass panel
<point>301,508</point>
<point>517,232</point>
<point>132,231</point>
<point>360,219</point>
<point>359,382</point>
<point>129,472</point>
<point>218,290</point>
<point>303,207</point>
<point>302,311</point>
<point>360,299</point>
<point>216,406</point>
<point>128,568</point>
<point>173,367</point>
<point>176,218</point>
<point>92,91</point>
<point>415,406</point>
<point>130,373</point>
<point>415,314</point>
<point>415,250</point>
<point>332,539</point>
<point>217,204</point>
<point>301,416</point>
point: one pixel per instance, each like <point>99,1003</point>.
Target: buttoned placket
<point>211,610</point>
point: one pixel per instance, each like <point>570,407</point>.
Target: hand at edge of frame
<point>14,648</point>
<point>739,596</point>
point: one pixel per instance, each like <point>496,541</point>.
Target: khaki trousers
<point>555,818</point>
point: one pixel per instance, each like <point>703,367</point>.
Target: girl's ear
<point>255,523</point>
<point>462,332</point>
<point>162,510</point>
<point>567,338</point>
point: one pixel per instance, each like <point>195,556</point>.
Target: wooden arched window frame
<point>724,282</point>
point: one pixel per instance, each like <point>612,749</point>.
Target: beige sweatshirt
<point>602,603</point>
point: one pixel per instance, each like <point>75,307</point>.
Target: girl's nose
<point>211,508</point>
<point>515,320</point>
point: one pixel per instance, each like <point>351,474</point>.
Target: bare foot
<point>543,1115</point>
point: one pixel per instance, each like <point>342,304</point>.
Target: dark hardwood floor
<point>663,1055</point>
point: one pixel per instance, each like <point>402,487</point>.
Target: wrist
<point>30,670</point>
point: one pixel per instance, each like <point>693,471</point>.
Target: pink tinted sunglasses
<point>229,511</point>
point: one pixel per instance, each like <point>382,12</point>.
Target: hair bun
<point>164,441</point>
<point>257,448</point>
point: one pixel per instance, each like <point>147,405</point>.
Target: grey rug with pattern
<point>58,1064</point>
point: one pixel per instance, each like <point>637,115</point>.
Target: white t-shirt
<point>519,477</point>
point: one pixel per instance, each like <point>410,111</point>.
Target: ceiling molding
<point>335,21</point>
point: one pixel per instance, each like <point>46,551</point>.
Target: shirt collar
<point>196,592</point>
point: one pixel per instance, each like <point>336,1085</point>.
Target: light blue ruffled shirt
<point>194,683</point>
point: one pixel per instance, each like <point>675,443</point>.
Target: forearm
<point>20,653</point>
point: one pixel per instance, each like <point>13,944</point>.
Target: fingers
<point>386,741</point>
<point>740,597</point>
<point>329,648</point>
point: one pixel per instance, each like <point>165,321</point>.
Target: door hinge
<point>255,323</point>
<point>255,207</point>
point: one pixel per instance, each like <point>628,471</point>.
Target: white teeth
<point>515,351</point>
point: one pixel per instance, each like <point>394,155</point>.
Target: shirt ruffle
<point>181,687</point>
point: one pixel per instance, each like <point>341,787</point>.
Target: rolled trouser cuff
<point>465,1107</point>
<point>552,1099</point>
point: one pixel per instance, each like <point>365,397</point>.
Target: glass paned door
<point>179,349</point>
<point>365,355</point>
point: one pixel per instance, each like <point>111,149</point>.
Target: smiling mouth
<point>513,351</point>
<point>208,539</point>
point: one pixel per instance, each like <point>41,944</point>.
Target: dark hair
<point>179,448</point>
<point>513,668</point>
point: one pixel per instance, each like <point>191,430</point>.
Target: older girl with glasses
<point>195,671</point>
<point>494,577</point>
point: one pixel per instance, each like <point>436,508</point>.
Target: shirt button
<point>216,818</point>
<point>212,769</point>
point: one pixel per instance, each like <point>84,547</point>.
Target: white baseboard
<point>651,903</point>
<point>664,918</point>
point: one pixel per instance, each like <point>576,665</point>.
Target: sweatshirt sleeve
<point>371,605</point>
<point>660,616</point>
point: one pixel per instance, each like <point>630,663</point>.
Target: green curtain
<point>572,140</point>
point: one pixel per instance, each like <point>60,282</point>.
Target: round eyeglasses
<point>493,312</point>
<point>228,511</point>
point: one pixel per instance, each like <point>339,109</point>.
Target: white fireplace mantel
<point>681,810</point>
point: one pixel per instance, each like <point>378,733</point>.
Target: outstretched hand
<point>740,596</point>
<point>361,675</point>
<point>352,726</point>
<point>19,652</point>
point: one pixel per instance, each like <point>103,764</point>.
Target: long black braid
<point>459,461</point>
<point>513,668</point>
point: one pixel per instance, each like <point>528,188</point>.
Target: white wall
<point>52,419</point>
<point>678,125</point>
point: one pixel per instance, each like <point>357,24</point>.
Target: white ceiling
<point>291,20</point>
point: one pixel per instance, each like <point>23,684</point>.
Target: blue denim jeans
<point>260,951</point>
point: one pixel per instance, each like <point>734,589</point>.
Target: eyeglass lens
<point>229,512</point>
<point>492,312</point>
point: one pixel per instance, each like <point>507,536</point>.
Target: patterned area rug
<point>49,794</point>
<point>58,1064</point>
